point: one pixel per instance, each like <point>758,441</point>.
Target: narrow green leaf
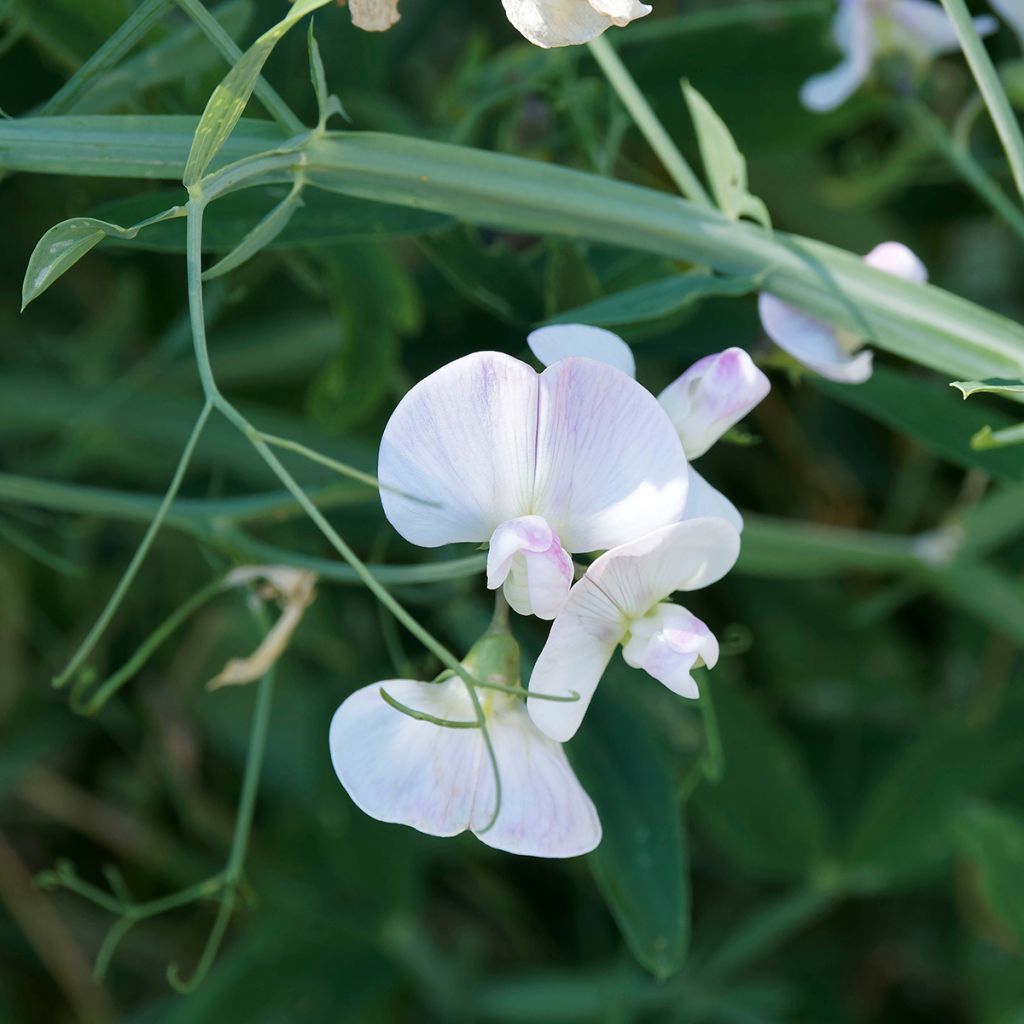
<point>230,98</point>
<point>261,235</point>
<point>993,386</point>
<point>326,103</point>
<point>987,438</point>
<point>724,164</point>
<point>656,299</point>
<point>764,814</point>
<point>993,841</point>
<point>915,407</point>
<point>641,865</point>
<point>66,243</point>
<point>902,834</point>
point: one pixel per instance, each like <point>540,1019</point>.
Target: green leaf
<point>986,439</point>
<point>916,407</point>
<point>230,98</point>
<point>764,814</point>
<point>902,835</point>
<point>724,164</point>
<point>319,220</point>
<point>994,843</point>
<point>326,103</point>
<point>261,235</point>
<point>641,865</point>
<point>993,386</point>
<point>66,243</point>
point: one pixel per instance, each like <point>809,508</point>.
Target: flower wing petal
<point>812,342</point>
<point>545,812</point>
<point>374,15</point>
<point>854,35</point>
<point>402,770</point>
<point>927,30</point>
<point>562,341</point>
<point>550,23</point>
<point>581,643</point>
<point>610,466</point>
<point>457,456</point>
<point>705,501</point>
<point>621,12</point>
<point>897,259</point>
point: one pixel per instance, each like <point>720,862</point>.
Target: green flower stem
<point>714,754</point>
<point>969,169</point>
<point>264,91</point>
<point>647,121</point>
<point>94,634</point>
<point>991,88</point>
<point>105,690</point>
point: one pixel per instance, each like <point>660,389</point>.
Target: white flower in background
<point>711,397</point>
<point>830,351</point>
<point>440,780</point>
<point>569,22</point>
<point>373,15</point>
<point>866,29</point>
<point>1012,12</point>
<point>576,459</point>
<point>621,600</point>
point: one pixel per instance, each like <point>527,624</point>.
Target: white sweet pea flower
<point>866,29</point>
<point>620,600</point>
<point>373,15</point>
<point>711,397</point>
<point>830,351</point>
<point>569,22</point>
<point>576,459</point>
<point>1012,12</point>
<point>439,779</point>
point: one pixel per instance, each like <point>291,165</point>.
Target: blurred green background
<point>861,858</point>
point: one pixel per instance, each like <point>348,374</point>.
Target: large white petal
<point>582,641</point>
<point>562,341</point>
<point>610,466</point>
<point>545,812</point>
<point>462,441</point>
<point>812,342</point>
<point>621,12</point>
<point>556,22</point>
<point>402,770</point>
<point>896,259</point>
<point>712,396</point>
<point>704,501</point>
<point>854,34</point>
<point>925,28</point>
<point>621,585</point>
<point>374,15</point>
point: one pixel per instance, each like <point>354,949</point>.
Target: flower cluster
<point>577,460</point>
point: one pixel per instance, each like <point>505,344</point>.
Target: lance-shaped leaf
<point>66,243</point>
<point>987,438</point>
<point>656,299</point>
<point>229,99</point>
<point>326,102</point>
<point>992,386</point>
<point>724,164</point>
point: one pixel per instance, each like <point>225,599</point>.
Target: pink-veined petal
<point>610,466</point>
<point>812,342</point>
<point>704,501</point>
<point>563,341</point>
<point>402,770</point>
<point>527,560</point>
<point>462,441</point>
<point>896,259</point>
<point>545,812</point>
<point>925,29</point>
<point>712,396</point>
<point>668,644</point>
<point>854,34</point>
<point>621,585</point>
<point>550,23</point>
<point>621,12</point>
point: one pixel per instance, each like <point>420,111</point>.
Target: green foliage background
<point>861,857</point>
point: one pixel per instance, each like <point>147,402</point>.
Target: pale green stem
<point>991,88</point>
<point>647,121</point>
<point>714,754</point>
<point>90,641</point>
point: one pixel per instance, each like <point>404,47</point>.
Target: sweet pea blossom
<point>439,779</point>
<point>830,351</point>
<point>1012,12</point>
<point>373,15</point>
<point>576,459</point>
<point>550,23</point>
<point>710,398</point>
<point>622,599</point>
<point>865,29</point>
